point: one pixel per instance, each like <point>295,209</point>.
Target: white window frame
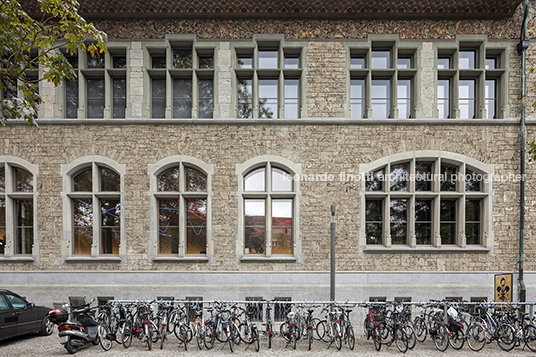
<point>9,163</point>
<point>269,161</point>
<point>68,171</point>
<point>154,170</point>
<point>438,157</point>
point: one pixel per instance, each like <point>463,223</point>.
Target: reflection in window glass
<point>472,221</point>
<point>196,225</point>
<point>24,180</point>
<point>196,181</point>
<point>467,99</point>
<point>374,221</point>
<point>110,181</point>
<point>423,176</point>
<point>71,98</point>
<point>119,62</point>
<point>158,61</point>
<point>466,59</point>
<point>381,59</point>
<point>491,98</point>
<point>245,62</point>
<point>448,177</point>
<point>281,180</point>
<point>268,59</point>
<point>83,225</point>
<point>291,98</point>
<point>95,98</point>
<point>158,104</point>
<point>168,226</point>
<point>245,99</point>
<point>24,226</point>
<point>169,180</point>
<point>374,181</point>
<point>491,63</point>
<point>119,97</point>
<point>292,62</point>
<point>96,61</point>
<point>206,98</point>
<point>2,225</point>
<point>423,221</point>
<point>268,98</point>
<point>182,98</point>
<point>404,98</point>
<point>447,224</point>
<point>399,177</point>
<point>357,98</point>
<point>254,226</point>
<point>443,63</point>
<point>182,58</point>
<point>83,182</point>
<point>282,226</point>
<point>399,221</point>
<point>403,63</point>
<point>380,98</point>
<point>254,181</point>
<point>110,226</point>
<point>2,180</point>
<point>443,98</point>
<point>206,62</point>
<point>473,181</point>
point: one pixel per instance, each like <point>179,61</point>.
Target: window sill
<point>427,249</point>
<point>93,259</point>
<point>24,259</point>
<point>272,259</point>
<point>175,259</point>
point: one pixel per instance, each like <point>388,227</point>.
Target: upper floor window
<point>100,88</point>
<point>17,208</point>
<point>94,223</point>
<point>269,80</point>
<point>181,76</point>
<point>269,206</point>
<point>470,80</point>
<point>180,198</point>
<point>418,202</point>
<point>382,80</point>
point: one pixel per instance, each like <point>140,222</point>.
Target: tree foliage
<point>29,43</point>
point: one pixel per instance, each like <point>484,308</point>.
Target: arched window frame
<point>269,161</point>
<point>68,172</point>
<point>438,157</point>
<point>154,171</point>
<point>9,163</point>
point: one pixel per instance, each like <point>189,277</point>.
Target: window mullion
<point>195,95</point>
<point>255,94</point>
<point>436,217</point>
<point>412,239</point>
<point>462,239</point>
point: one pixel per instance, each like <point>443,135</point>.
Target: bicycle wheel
<point>337,337</point>
<point>456,339</point>
<point>155,332</point>
<point>441,339</point>
<point>310,337</point>
<point>293,338</point>
<point>529,336</point>
<point>377,337</point>
<point>412,337</point>
<point>230,336</point>
<point>284,330</point>
<point>124,332</point>
<point>476,337</point>
<point>367,328</point>
<point>128,333</point>
<point>506,337</point>
<point>209,337</point>
<point>147,335</point>
<point>321,330</point>
<point>199,336</point>
<point>162,336</point>
<point>244,333</point>
<point>255,339</point>
<point>270,333</point>
<point>350,337</point>
<point>420,328</point>
<point>236,334</point>
<point>401,339</point>
<point>105,336</point>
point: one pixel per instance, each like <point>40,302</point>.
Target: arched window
<point>93,214</point>
<point>18,236</point>
<point>180,199</point>
<point>269,209</point>
<point>426,200</point>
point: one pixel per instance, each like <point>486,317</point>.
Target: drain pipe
<point>522,47</point>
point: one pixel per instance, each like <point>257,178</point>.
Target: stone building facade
<point>119,193</point>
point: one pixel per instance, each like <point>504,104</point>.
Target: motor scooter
<point>81,330</point>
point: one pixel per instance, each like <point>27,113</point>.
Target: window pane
<point>196,226</point>
<point>374,180</point>
<point>357,63</point>
<point>292,98</point>
<point>158,61</point>
<point>71,98</point>
<point>95,98</point>
<point>399,177</point>
<point>254,181</point>
<point>403,63</point>
<point>110,226</point>
<point>491,63</point>
<point>83,225</point>
<point>182,58</point>
<point>447,227</point>
<point>380,98</point>
<point>404,98</point>
<point>254,226</point>
<point>196,181</point>
<point>467,59</point>
<point>169,180</point>
<point>281,180</point>
<point>443,63</point>
<point>2,225</point>
<point>245,62</point>
<point>448,177</point>
<point>374,221</point>
<point>24,226</point>
<point>282,226</point>
<point>491,99</point>
<point>423,176</point>
<point>268,59</point>
<point>245,99</point>
<point>168,226</point>
<point>2,180</point>
<point>381,59</point>
<point>119,61</point>
<point>83,181</point>
<point>399,220</point>
<point>158,104</point>
<point>292,62</point>
<point>96,61</point>
<point>182,98</point>
<point>24,180</point>
<point>443,98</point>
<point>357,98</point>
<point>206,98</point>
<point>467,99</point>
<point>206,62</point>
<point>473,181</point>
<point>423,221</point>
<point>110,181</point>
<point>268,98</point>
<point>119,97</point>
<point>472,221</point>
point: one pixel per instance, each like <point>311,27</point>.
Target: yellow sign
<point>503,288</point>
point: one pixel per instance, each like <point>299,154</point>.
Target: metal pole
<point>332,271</point>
